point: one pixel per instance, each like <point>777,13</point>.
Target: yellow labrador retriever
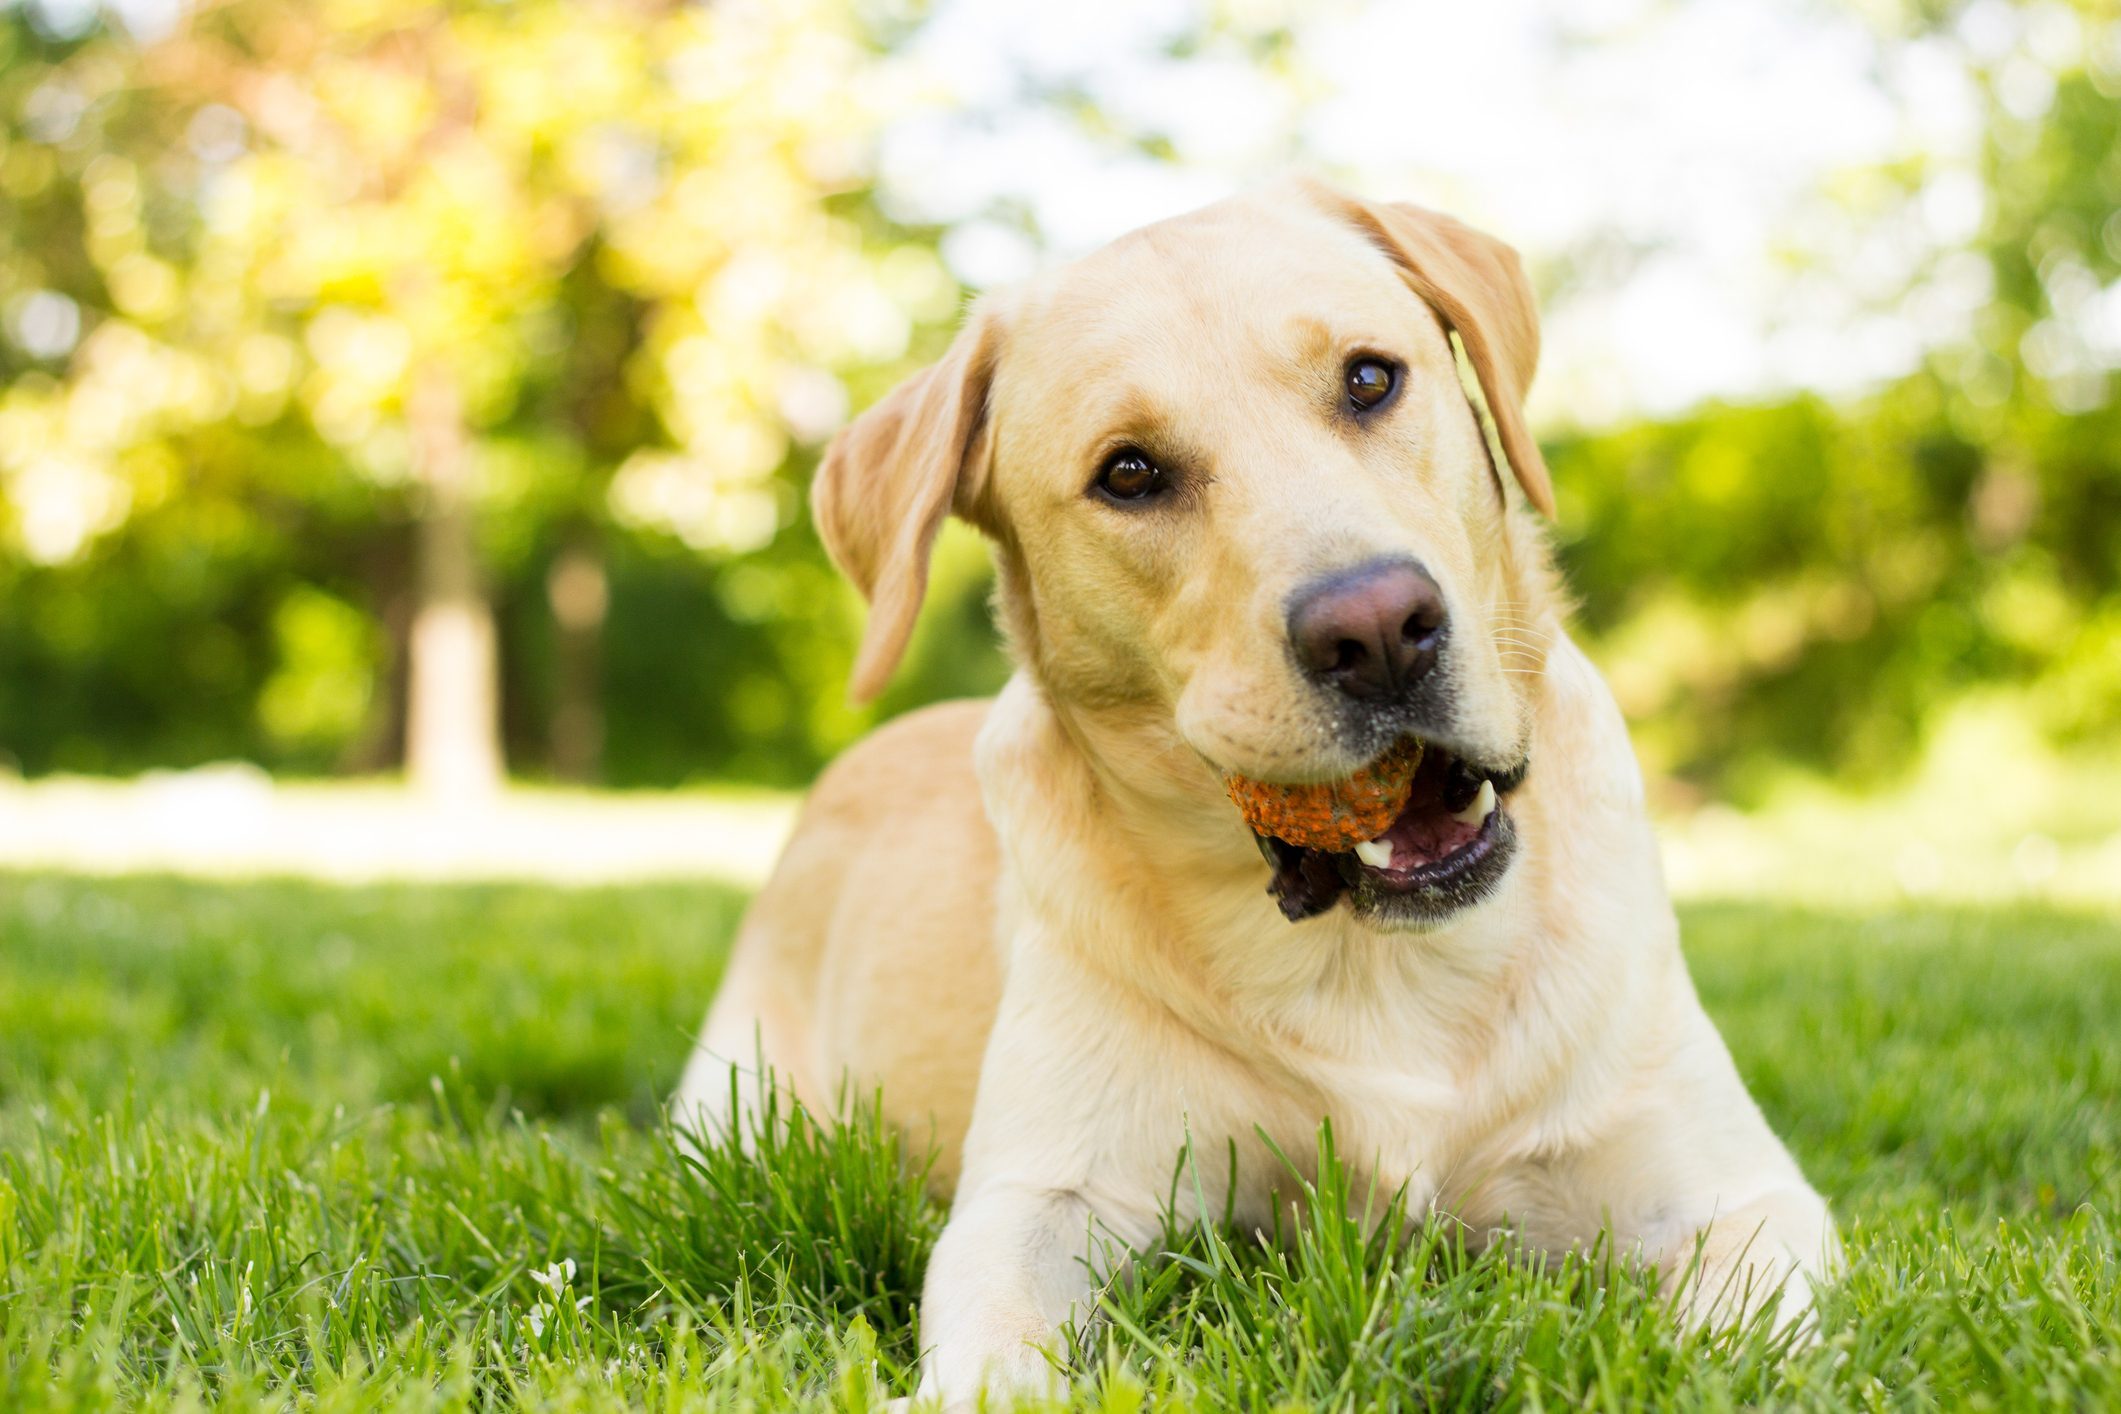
<point>1248,522</point>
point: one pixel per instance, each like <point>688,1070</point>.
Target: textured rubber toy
<point>1337,815</point>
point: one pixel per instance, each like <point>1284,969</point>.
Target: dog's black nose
<point>1372,632</point>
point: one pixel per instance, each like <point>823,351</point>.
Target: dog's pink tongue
<point>1425,835</point>
<point>1426,831</point>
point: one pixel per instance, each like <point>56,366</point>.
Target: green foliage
<point>281,284</point>
<point>271,1142</point>
<point>1816,584</point>
<point>1820,584</point>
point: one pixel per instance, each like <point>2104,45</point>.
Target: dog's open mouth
<point>1447,847</point>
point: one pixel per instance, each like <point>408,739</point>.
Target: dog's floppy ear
<point>1477,286</point>
<point>890,477</point>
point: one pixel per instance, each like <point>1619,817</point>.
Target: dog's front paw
<point>1000,1381</point>
<point>929,1404</point>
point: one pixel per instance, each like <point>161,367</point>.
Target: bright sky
<point>1659,162</point>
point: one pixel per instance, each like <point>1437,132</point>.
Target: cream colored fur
<point>1039,928</point>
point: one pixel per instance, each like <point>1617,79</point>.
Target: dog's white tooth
<point>1375,853</point>
<point>1482,807</point>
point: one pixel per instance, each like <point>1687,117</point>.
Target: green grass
<point>278,1144</point>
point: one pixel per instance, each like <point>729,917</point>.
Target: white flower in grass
<point>555,1277</point>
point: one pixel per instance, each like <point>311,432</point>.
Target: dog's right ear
<point>890,477</point>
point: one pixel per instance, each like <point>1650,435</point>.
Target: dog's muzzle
<point>1446,849</point>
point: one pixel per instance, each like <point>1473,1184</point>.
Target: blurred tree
<point>1815,583</point>
<point>526,272</point>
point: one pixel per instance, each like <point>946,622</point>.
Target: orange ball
<point>1337,815</point>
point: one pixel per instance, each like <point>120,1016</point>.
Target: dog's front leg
<point>1068,1162</point>
<point>1015,1263</point>
<point>1696,1177</point>
<point>1773,1251</point>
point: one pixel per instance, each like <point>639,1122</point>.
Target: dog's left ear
<point>1477,286</point>
<point>890,477</point>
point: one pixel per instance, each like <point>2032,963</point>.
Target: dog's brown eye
<point>1130,476</point>
<point>1370,382</point>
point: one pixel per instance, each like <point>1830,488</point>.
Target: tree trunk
<point>452,717</point>
<point>579,595</point>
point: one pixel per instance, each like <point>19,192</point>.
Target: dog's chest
<point>1394,1091</point>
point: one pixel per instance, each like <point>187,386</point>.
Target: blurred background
<point>406,408</point>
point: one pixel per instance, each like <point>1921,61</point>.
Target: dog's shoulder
<point>910,759</point>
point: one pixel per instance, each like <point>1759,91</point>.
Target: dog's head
<point>1238,489</point>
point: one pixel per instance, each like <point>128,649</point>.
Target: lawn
<point>278,1143</point>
